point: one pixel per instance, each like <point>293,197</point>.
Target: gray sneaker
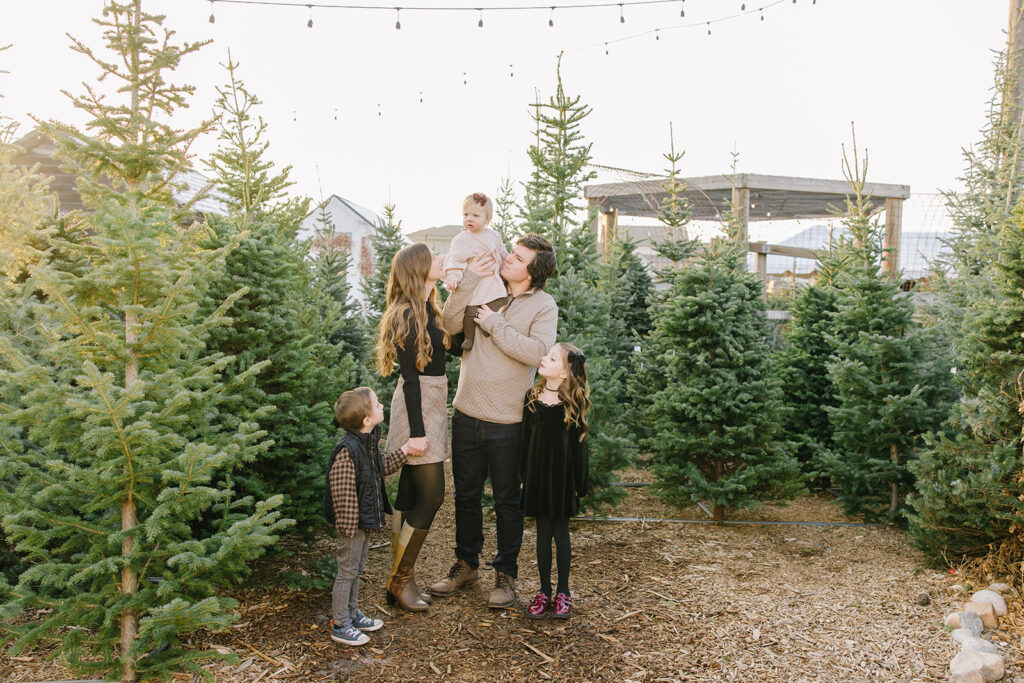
<point>458,576</point>
<point>504,593</point>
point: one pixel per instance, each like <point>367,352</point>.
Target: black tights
<point>548,528</point>
<point>420,493</point>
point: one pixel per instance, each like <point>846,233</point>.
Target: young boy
<point>476,240</point>
<point>357,502</point>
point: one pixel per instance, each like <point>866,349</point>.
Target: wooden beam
<point>609,230</point>
<point>893,234</point>
<point>782,250</point>
<point>762,272</point>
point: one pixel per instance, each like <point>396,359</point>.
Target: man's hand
<point>482,313</point>
<point>451,282</point>
<point>416,446</point>
<point>483,266</point>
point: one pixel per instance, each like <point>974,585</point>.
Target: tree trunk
<point>129,580</point>
<point>894,494</point>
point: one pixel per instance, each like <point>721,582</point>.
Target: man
<point>494,378</point>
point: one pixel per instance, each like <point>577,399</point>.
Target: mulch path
<point>653,602</point>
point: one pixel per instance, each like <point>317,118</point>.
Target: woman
<point>410,335</point>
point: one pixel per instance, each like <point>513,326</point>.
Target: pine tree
<point>553,200</point>
<point>674,213</point>
<point>715,419</point>
<point>274,319</point>
<point>387,240</point>
<point>504,208</point>
<point>882,405</point>
<point>122,413</point>
<point>634,288</point>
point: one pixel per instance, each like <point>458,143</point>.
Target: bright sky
<point>424,115</point>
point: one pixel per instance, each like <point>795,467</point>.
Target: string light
<point>309,24</point>
<point>743,7</point>
<point>398,18</point>
<point>622,17</point>
<point>606,48</point>
<point>656,36</point>
<point>682,8</point>
<point>480,24</point>
<point>213,19</point>
<point>551,18</point>
<point>709,28</point>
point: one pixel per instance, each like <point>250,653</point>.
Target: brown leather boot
<point>397,519</point>
<point>402,587</point>
<point>504,592</point>
<point>459,575</point>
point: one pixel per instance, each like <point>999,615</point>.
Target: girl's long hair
<point>409,270</point>
<point>573,392</point>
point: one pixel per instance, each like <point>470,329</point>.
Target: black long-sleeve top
<point>407,369</point>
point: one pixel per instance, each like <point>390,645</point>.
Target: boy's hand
<point>416,446</point>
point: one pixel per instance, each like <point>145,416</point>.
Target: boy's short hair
<point>352,407</point>
<point>543,264</point>
<point>480,199</point>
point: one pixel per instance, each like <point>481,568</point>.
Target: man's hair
<point>544,264</point>
<point>352,407</point>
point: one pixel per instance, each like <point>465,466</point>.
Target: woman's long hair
<point>409,270</point>
<point>573,392</point>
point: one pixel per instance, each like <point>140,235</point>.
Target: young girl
<point>555,466</point>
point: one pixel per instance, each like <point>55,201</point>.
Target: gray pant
<point>351,562</point>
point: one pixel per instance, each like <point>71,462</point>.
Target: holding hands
<point>416,446</point>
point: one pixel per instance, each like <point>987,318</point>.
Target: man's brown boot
<point>459,575</point>
<point>504,593</point>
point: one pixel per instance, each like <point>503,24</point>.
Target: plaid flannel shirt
<point>342,482</point>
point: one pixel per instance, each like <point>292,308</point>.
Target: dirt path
<point>654,602</point>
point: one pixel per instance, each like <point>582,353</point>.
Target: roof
<point>360,211</point>
<point>771,197</point>
<point>440,232</point>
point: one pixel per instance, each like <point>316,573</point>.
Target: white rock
<point>962,634</point>
<point>993,669</point>
<point>985,610</point>
<point>993,598</point>
<point>971,622</point>
<point>967,666</point>
<point>975,644</point>
<point>999,588</point>
<point>971,677</point>
<point>954,620</point>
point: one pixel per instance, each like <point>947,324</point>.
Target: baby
<point>476,240</point>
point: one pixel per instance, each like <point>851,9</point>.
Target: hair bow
<point>577,360</point>
<point>479,198</point>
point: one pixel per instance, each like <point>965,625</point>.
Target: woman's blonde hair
<point>409,270</point>
<point>573,392</point>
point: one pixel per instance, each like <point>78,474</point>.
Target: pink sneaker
<point>563,606</point>
<point>538,607</point>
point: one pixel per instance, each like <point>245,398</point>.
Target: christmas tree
<point>715,419</point>
<point>881,403</point>
<point>122,412</point>
<point>504,212</point>
<point>274,319</point>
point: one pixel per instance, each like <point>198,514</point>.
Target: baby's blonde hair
<point>480,199</point>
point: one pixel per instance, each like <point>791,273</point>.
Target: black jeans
<point>479,447</point>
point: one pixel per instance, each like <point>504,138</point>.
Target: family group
<point>529,436</point>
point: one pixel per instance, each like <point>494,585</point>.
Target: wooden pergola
<point>755,198</point>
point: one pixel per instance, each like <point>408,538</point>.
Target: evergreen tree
<point>122,413</point>
<point>969,484</point>
<point>339,316</point>
<point>504,207</point>
<point>674,213</point>
<point>634,288</point>
<point>274,319</point>
<point>553,200</point>
<point>881,404</point>
<point>387,240</point>
<point>715,420</point>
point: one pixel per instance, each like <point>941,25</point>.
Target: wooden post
<point>741,210</point>
<point>609,230</point>
<point>762,272</point>
<point>893,235</point>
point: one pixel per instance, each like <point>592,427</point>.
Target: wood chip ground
<point>653,602</point>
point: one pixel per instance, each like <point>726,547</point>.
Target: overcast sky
<point>424,115</point>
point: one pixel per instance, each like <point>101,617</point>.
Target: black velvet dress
<point>554,464</point>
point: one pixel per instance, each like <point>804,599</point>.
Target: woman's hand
<point>481,313</point>
<point>416,446</point>
<point>483,266</point>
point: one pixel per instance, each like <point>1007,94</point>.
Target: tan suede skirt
<point>434,404</point>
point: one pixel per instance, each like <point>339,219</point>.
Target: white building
<point>353,227</point>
